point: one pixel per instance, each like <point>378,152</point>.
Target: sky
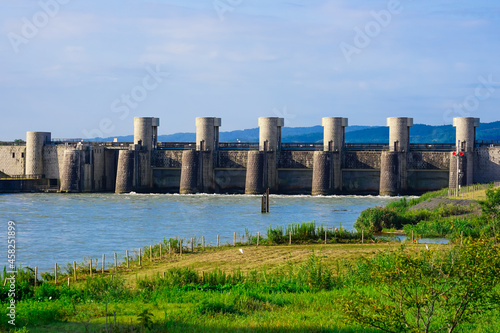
<point>83,69</point>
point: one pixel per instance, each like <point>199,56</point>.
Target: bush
<point>429,291</point>
<point>377,218</point>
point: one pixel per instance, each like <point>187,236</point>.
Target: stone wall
<point>232,159</point>
<point>361,160</point>
<point>295,159</point>
<point>487,165</point>
<point>166,158</point>
<point>428,160</point>
<point>12,160</point>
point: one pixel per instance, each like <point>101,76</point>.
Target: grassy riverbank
<point>348,282</point>
<point>297,288</point>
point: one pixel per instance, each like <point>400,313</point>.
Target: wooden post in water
<point>36,274</point>
<point>126,254</point>
<point>140,258</point>
<point>116,263</point>
<point>74,269</point>
<point>55,273</point>
<point>265,202</point>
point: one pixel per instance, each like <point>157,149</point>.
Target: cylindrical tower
<point>254,183</point>
<point>334,133</point>
<point>125,171</point>
<point>34,152</point>
<point>389,173</point>
<point>189,172</point>
<point>462,163</point>
<point>466,133</point>
<point>321,182</point>
<point>207,133</point>
<point>146,132</point>
<point>70,176</point>
<point>270,133</point>
<point>399,133</point>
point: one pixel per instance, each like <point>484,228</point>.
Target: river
<point>66,227</point>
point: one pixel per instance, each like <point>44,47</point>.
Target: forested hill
<point>418,134</point>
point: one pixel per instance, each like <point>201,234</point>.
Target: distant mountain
<point>419,133</point>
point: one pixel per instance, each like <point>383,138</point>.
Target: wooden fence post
<point>55,273</point>
<point>116,263</point>
<point>74,269</point>
<point>140,258</point>
<point>126,254</point>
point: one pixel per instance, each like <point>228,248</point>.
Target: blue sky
<point>85,68</point>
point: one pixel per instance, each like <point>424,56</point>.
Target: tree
<point>431,291</point>
<point>491,208</point>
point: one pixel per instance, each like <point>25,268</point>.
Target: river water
<point>66,227</point>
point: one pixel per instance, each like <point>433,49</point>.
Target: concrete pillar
<point>270,144</point>
<point>333,143</point>
<point>71,173</point>
<point>254,183</point>
<point>390,171</point>
<point>146,132</point>
<point>322,167</point>
<point>399,133</point>
<point>207,133</point>
<point>146,138</point>
<point>34,152</point>
<point>334,133</point>
<point>125,171</point>
<point>393,170</point>
<point>463,159</point>
<point>270,133</point>
<point>207,145</point>
<point>189,172</point>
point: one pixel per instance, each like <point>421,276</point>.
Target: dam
<point>397,167</point>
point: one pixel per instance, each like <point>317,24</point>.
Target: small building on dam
<point>209,166</point>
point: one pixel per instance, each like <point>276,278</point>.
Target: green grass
<point>296,297</point>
